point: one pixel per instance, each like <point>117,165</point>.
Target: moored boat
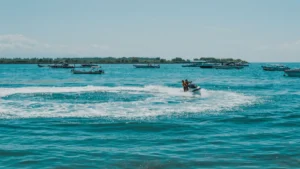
<point>195,64</point>
<point>147,66</point>
<point>93,70</point>
<point>39,65</point>
<point>230,65</point>
<point>209,65</point>
<point>275,68</point>
<point>62,65</point>
<point>88,65</point>
<point>292,72</point>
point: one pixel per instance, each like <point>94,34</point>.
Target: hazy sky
<point>255,30</point>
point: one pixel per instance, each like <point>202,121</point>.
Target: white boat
<point>292,72</point>
<point>275,68</point>
<point>147,66</point>
<point>88,65</point>
<point>39,65</point>
<point>93,70</point>
<point>230,65</point>
<point>62,65</point>
<point>195,64</point>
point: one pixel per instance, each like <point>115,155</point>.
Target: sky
<point>253,30</point>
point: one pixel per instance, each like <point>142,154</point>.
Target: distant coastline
<point>113,60</point>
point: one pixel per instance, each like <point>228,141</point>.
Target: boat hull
<point>190,65</point>
<point>146,66</point>
<point>63,67</point>
<point>195,90</point>
<point>292,73</point>
<point>275,68</point>
<point>206,66</point>
<point>229,67</point>
<point>42,65</point>
<point>83,72</point>
<point>87,65</point>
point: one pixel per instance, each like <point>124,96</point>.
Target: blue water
<point>141,118</point>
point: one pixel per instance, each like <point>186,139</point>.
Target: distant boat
<point>88,65</point>
<point>62,65</point>
<point>147,66</point>
<point>93,70</point>
<point>292,72</point>
<point>208,65</point>
<point>230,65</point>
<point>275,68</point>
<point>39,65</point>
<point>195,64</point>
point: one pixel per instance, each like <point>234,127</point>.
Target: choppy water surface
<point>141,118</point>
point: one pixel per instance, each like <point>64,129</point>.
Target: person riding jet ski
<point>191,87</point>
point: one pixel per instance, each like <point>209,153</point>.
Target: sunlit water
<point>141,118</point>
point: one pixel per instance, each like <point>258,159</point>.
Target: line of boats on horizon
<point>274,67</point>
<point>232,65</point>
<point>66,65</point>
<point>207,65</point>
<point>201,64</point>
<point>287,70</point>
<point>95,69</point>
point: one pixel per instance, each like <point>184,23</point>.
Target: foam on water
<point>163,101</point>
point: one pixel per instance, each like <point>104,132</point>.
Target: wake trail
<point>163,101</point>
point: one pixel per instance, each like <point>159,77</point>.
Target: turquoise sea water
<point>141,118</point>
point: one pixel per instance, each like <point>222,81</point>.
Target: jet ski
<point>194,88</point>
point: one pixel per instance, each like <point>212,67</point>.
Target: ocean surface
<point>141,118</point>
